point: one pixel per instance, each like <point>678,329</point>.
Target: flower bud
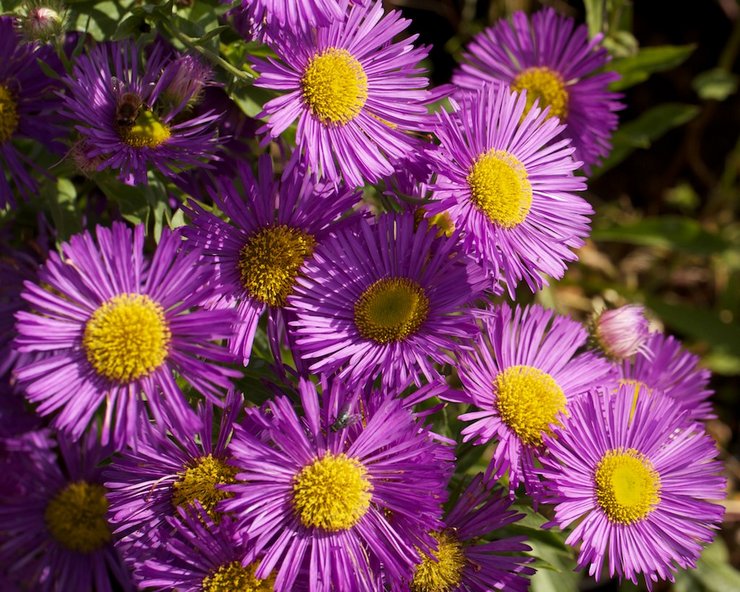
<point>621,332</point>
<point>42,21</point>
<point>183,81</point>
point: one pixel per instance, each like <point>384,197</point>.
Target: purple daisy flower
<point>557,64</point>
<point>110,327</point>
<point>273,229</point>
<point>522,376</point>
<point>385,299</point>
<point>201,555</point>
<point>132,116</point>
<point>462,561</point>
<point>666,366</point>
<point>637,481</point>
<point>354,91</point>
<point>343,498</point>
<point>509,188</point>
<point>55,536</point>
<point>28,109</point>
<point>271,16</point>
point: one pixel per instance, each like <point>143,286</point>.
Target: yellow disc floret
<point>199,481</point>
<point>391,309</point>
<point>332,493</point>
<point>147,131</point>
<point>627,485</point>
<point>544,85</point>
<point>127,337</point>
<point>270,260</point>
<point>442,572</point>
<point>8,114</point>
<point>528,401</point>
<point>234,577</point>
<point>500,188</point>
<point>75,517</point>
<point>334,86</point>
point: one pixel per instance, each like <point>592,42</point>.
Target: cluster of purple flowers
<point>143,458</point>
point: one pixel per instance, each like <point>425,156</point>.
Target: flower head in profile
<point>637,480</point>
<point>273,229</point>
<point>385,299</point>
<point>28,108</point>
<point>509,188</point>
<point>354,91</point>
<point>132,117</point>
<point>112,328</point>
<point>621,332</point>
<point>462,560</point>
<point>558,66</point>
<point>56,536</point>
<point>521,377</point>
<point>345,498</point>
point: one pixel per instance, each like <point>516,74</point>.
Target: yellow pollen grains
<point>126,338</point>
<point>270,260</point>
<point>547,86</point>
<point>332,493</point>
<point>528,401</point>
<point>442,572</point>
<point>334,86</point>
<point>627,485</point>
<point>8,114</point>
<point>391,309</point>
<point>147,131</point>
<point>199,481</point>
<point>500,188</point>
<point>75,517</point>
<point>234,577</point>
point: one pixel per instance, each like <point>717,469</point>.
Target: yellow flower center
<point>127,337</point>
<point>8,114</point>
<point>270,260</point>
<point>627,485</point>
<point>500,188</point>
<point>442,571</point>
<point>528,401</point>
<point>147,131</point>
<point>334,86</point>
<point>199,481</point>
<point>234,577</point>
<point>332,493</point>
<point>547,86</point>
<point>391,309</point>
<point>75,517</point>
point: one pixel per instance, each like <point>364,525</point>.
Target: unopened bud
<point>42,21</point>
<point>621,332</point>
<point>183,81</point>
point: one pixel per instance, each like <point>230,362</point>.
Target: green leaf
<point>667,232</point>
<point>637,68</point>
<point>554,569</point>
<point>594,16</point>
<point>713,572</point>
<point>99,19</point>
<point>61,198</point>
<point>717,84</point>
<point>643,131</point>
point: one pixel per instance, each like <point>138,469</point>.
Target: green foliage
<point>648,60</point>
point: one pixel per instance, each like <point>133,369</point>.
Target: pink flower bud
<point>621,332</point>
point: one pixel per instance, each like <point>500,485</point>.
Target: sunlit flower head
<point>521,378</point>
<point>557,64</point>
<point>385,299</point>
<point>354,91</point>
<point>270,17</point>
<point>621,332</point>
<point>111,329</point>
<point>509,188</point>
<point>347,499</point>
<point>637,481</point>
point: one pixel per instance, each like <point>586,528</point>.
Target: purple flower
<point>665,366</point>
<point>509,188</point>
<point>385,299</point>
<point>462,560</point>
<point>272,16</point>
<point>131,117</point>
<point>345,498</point>
<point>273,229</point>
<point>55,535</point>
<point>522,377</point>
<point>354,91</point>
<point>621,332</point>
<point>557,64</point>
<point>111,326</point>
<point>27,109</point>
<point>637,481</point>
